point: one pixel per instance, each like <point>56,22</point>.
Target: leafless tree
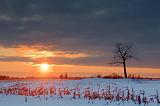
<point>122,53</point>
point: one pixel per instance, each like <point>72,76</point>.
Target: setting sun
<point>44,67</point>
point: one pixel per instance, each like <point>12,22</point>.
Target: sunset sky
<point>77,36</point>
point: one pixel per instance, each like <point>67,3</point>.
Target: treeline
<point>111,76</point>
<point>117,76</point>
<point>61,76</point>
<point>66,76</point>
<point>6,77</point>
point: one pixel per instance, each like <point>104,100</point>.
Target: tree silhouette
<point>122,53</point>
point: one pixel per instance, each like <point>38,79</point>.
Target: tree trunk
<point>124,66</point>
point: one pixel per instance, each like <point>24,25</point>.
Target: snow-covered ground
<point>144,88</point>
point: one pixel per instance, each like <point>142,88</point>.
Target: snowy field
<point>86,92</point>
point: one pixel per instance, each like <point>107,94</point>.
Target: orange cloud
<point>38,54</point>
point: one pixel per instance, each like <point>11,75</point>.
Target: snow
<point>149,86</point>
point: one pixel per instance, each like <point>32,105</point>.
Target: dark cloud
<point>14,59</point>
<point>83,25</point>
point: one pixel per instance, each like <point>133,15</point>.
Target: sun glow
<point>44,67</point>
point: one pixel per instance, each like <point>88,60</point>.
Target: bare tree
<point>122,53</point>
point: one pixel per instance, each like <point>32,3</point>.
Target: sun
<point>44,67</point>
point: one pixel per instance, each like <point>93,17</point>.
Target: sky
<point>77,36</point>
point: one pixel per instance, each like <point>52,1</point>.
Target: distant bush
<point>65,76</point>
<point>99,76</point>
